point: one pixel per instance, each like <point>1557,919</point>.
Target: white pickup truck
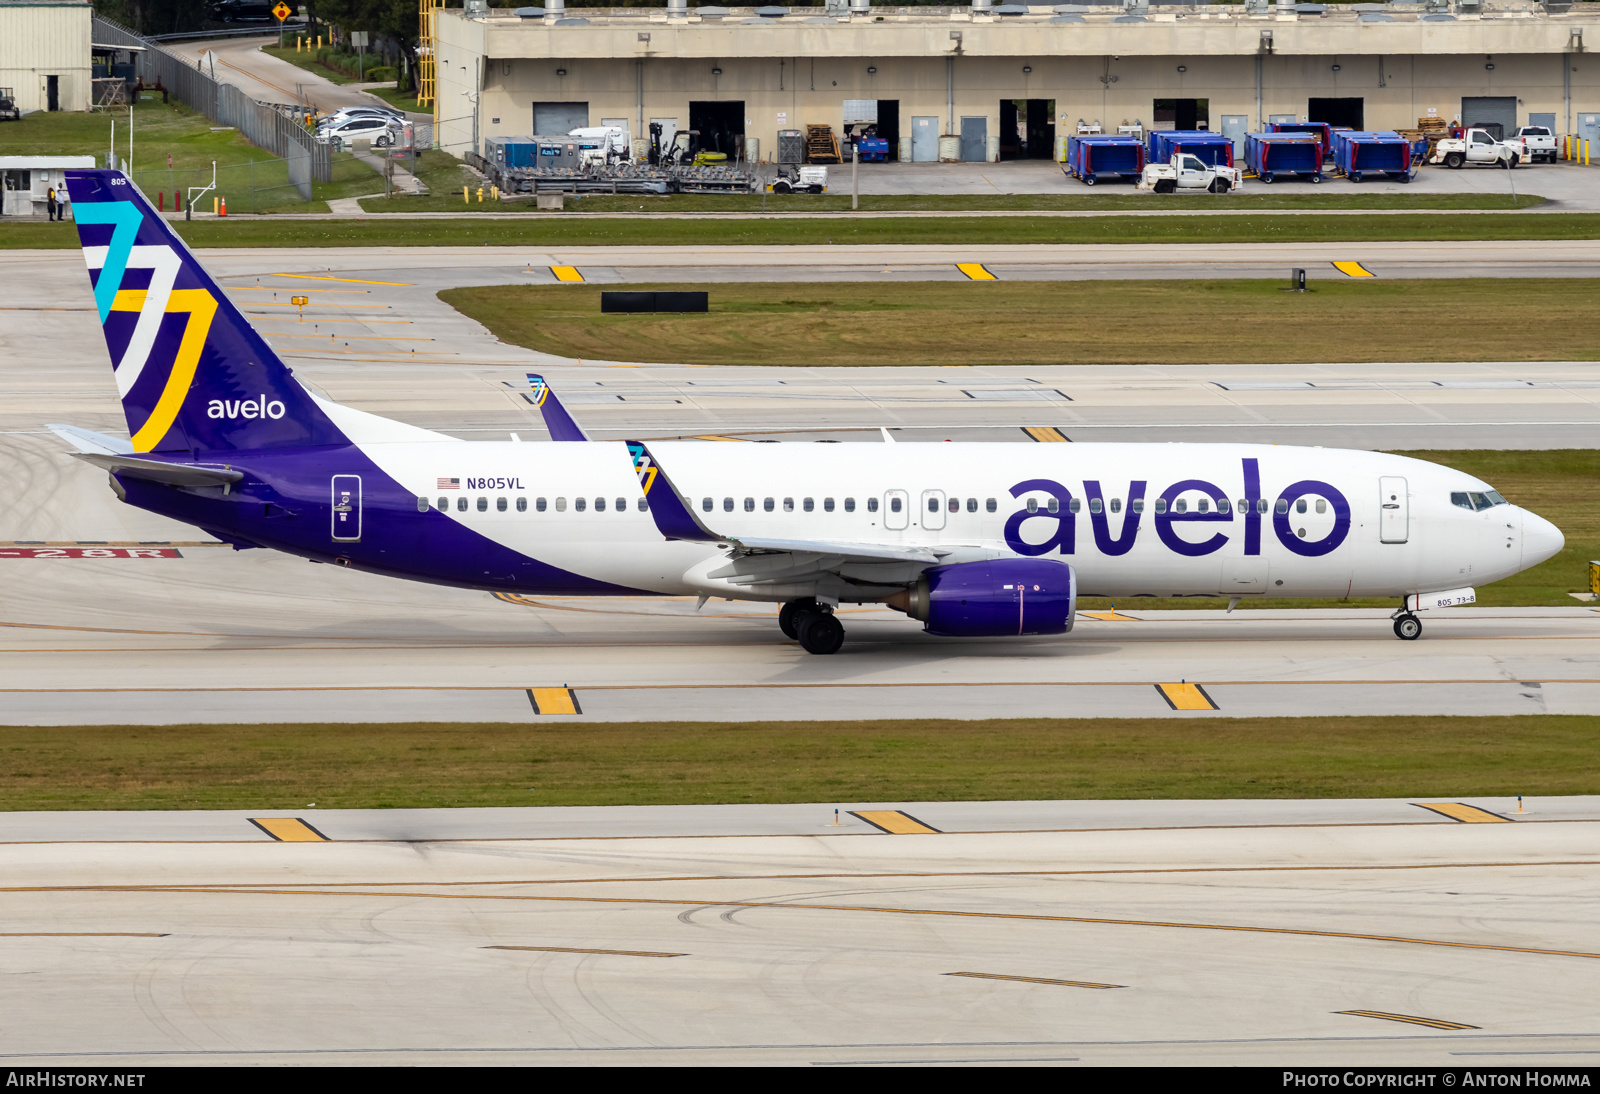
<point>1538,143</point>
<point>1476,146</point>
<point>1186,171</point>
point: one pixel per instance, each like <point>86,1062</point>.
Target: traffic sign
<point>282,11</point>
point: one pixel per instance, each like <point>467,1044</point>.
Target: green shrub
<point>385,74</point>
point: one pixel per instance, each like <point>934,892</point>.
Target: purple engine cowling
<point>999,597</point>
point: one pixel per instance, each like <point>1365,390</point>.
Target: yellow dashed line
<point>566,273</point>
<point>554,701</point>
<point>1353,269</point>
<point>1432,1023</point>
<point>1186,696</point>
<point>349,280</point>
<point>976,271</point>
<point>1466,814</point>
<point>289,830</point>
<point>894,821</point>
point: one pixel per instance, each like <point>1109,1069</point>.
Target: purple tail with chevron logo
<point>193,375</point>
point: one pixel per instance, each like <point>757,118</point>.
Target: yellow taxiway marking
<point>1035,980</point>
<point>1186,696</point>
<point>347,280</point>
<point>1046,433</point>
<point>1353,269</point>
<point>976,271</point>
<point>1466,814</point>
<point>566,273</point>
<point>894,821</point>
<point>575,949</point>
<point>1432,1023</point>
<point>289,830</point>
<point>1112,617</point>
<point>554,701</point>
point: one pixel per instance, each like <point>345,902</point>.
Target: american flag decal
<point>449,484</point>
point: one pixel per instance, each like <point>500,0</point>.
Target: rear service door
<point>1394,513</point>
<point>346,508</point>
<point>933,509</point>
<point>896,509</point>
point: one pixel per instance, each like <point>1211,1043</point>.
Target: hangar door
<point>559,119</point>
<point>1347,112</point>
<point>1496,113</point>
<point>720,125</point>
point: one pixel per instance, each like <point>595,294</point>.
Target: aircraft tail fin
<point>556,419</point>
<point>192,373</point>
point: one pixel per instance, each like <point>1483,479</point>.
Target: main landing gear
<point>811,624</point>
<point>1407,626</point>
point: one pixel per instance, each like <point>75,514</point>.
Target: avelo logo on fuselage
<point>1168,509</point>
<point>258,407</point>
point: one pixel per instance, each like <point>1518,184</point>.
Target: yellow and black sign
<point>281,10</point>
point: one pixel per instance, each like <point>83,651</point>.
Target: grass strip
<point>286,767</point>
<point>775,231</point>
<point>1231,320</point>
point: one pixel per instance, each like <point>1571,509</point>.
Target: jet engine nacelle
<point>998,597</point>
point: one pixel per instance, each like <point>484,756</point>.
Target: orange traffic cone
<point>223,207</point>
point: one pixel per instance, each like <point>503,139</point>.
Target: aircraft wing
<point>173,474</point>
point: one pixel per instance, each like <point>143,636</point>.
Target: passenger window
<point>850,505</point>
<point>561,505</point>
<point>1096,506</point>
<point>1136,505</point>
<point>1205,505</point>
<point>1033,505</point>
<point>1074,506</point>
<point>644,505</point>
<point>444,505</point>
<point>483,505</point>
<point>894,504</point>
<point>1244,505</point>
<point>990,506</point>
<point>1222,505</point>
<point>500,505</point>
<point>749,505</point>
<point>1261,505</point>
<point>972,505</point>
<point>955,505</point>
<point>706,504</point>
<point>727,505</point>
<point>827,505</point>
<point>461,505</point>
<point>1161,505</point>
<point>1300,506</point>
<point>1053,505</point>
<point>1322,505</point>
<point>522,505</point>
<point>1116,505</point>
<point>599,505</point>
<point>808,505</point>
<point>622,505</point>
<point>1282,507</point>
<point>539,505</point>
<point>767,505</point>
<point>788,505</point>
<point>579,504</point>
<point>1179,506</point>
<point>422,505</point>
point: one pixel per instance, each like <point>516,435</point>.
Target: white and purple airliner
<point>971,540</point>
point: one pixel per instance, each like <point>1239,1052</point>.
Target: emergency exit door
<point>896,509</point>
<point>1394,514</point>
<point>346,508</point>
<point>933,509</point>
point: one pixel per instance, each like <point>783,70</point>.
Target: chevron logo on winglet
<point>674,519</point>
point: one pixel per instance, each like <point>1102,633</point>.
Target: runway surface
<point>1378,933</point>
<point>219,636</point>
<point>375,335</point>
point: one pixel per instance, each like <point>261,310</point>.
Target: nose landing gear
<point>813,625</point>
<point>1407,626</point>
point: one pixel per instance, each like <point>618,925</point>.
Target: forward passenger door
<point>1394,513</point>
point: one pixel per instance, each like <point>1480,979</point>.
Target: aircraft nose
<point>1540,539</point>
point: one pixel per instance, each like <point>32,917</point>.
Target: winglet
<point>556,419</point>
<point>673,515</point>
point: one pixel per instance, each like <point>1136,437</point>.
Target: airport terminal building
<point>1011,81</point>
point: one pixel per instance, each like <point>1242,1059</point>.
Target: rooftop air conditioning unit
<point>477,9</point>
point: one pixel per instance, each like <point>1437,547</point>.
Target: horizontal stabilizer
<point>87,440</point>
<point>173,474</point>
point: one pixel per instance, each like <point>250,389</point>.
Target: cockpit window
<point>1472,499</point>
<point>1495,498</point>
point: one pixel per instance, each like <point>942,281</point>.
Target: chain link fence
<point>273,127</point>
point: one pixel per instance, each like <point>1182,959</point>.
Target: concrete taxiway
<point>1327,933</point>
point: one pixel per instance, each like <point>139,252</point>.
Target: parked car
<point>380,131</point>
<point>346,113</point>
<point>1538,143</point>
<point>1187,171</point>
<point>1476,146</point>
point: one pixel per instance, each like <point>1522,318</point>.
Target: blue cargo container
<point>1210,148</point>
<point>1089,157</point>
<point>1358,154</point>
<point>1271,156</point>
<point>509,151</point>
<point>1321,130</point>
